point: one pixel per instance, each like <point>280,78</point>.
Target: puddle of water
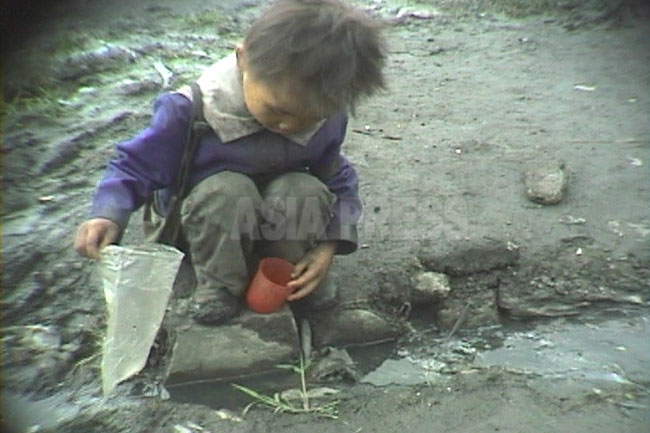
<point>220,394</point>
<point>370,357</point>
<point>612,347</point>
<point>613,350</point>
<point>400,372</point>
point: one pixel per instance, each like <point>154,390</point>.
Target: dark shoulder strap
<point>197,103</point>
<point>194,133</point>
<point>168,231</point>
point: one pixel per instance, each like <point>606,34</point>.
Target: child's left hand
<point>311,269</point>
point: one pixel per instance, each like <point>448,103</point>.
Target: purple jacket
<point>150,162</point>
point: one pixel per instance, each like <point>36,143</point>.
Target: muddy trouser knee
<point>218,219</point>
<point>296,209</point>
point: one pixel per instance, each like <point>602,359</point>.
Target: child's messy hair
<point>335,50</point>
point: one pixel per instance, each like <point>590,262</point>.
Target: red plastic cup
<point>268,291</point>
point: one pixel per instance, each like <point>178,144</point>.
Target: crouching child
<point>267,177</point>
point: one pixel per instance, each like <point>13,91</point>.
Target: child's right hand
<point>95,234</point>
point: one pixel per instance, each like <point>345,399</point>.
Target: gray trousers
<point>230,222</point>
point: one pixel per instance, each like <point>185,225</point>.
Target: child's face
<point>278,108</point>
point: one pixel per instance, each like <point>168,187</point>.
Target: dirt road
<point>475,99</point>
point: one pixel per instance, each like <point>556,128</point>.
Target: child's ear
<point>239,52</point>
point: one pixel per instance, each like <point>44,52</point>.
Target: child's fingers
<point>92,244</point>
<point>109,237</point>
<point>80,240</point>
<point>93,235</point>
<point>306,277</point>
<point>299,268</point>
<point>306,290</point>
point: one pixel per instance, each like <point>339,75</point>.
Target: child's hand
<point>311,269</point>
<point>95,234</point>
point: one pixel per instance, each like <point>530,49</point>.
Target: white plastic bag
<point>137,282</point>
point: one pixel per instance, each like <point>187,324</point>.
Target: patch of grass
<point>212,22</point>
<point>70,43</point>
<point>41,102</point>
<point>512,8</point>
<point>211,19</point>
<point>279,404</point>
<point>93,351</point>
<point>523,8</point>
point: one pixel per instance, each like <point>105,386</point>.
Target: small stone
<point>429,287</point>
<point>60,270</point>
<point>87,90</point>
<point>45,278</point>
<point>228,415</point>
<point>354,326</point>
<point>406,13</point>
<point>635,162</point>
<point>571,220</point>
<point>40,338</point>
<point>547,183</point>
<point>335,365</point>
<point>133,87</point>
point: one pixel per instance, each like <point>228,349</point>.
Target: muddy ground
<point>479,92</point>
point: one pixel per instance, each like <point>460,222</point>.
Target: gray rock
<point>547,184</point>
<point>480,256</point>
<point>353,326</point>
<point>429,287</point>
<point>136,87</point>
<point>249,344</point>
<point>90,62</point>
<point>335,365</point>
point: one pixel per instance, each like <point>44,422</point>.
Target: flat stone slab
<point>547,183</point>
<point>480,256</point>
<point>538,298</point>
<point>249,344</point>
<point>558,287</point>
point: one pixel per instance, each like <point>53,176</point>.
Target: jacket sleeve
<point>147,162</point>
<point>338,174</point>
